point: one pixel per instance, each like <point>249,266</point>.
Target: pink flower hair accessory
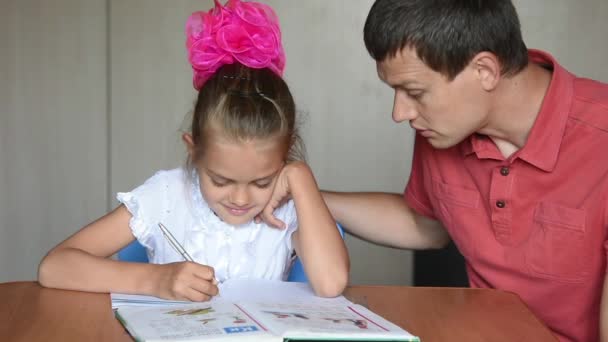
<point>246,32</point>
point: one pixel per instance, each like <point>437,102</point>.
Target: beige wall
<point>80,120</point>
<point>53,141</point>
<point>576,32</point>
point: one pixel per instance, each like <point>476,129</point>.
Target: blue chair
<point>297,269</point>
<point>135,252</point>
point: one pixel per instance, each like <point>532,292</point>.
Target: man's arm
<point>604,312</point>
<point>385,219</point>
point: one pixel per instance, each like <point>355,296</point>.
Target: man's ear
<point>487,69</point>
<point>189,142</point>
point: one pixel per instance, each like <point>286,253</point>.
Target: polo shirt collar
<point>545,138</point>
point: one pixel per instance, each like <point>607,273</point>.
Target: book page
<point>192,322</point>
<point>272,291</point>
<point>237,290</point>
<point>325,320</point>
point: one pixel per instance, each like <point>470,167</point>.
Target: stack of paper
<point>119,299</point>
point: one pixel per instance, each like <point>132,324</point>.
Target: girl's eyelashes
<point>219,183</point>
<point>262,185</point>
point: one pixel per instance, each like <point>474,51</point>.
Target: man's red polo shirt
<point>534,223</point>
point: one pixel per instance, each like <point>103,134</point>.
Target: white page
<point>333,321</point>
<point>273,291</point>
<point>193,322</point>
<point>242,290</point>
<point>291,309</point>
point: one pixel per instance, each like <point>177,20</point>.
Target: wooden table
<point>29,312</point>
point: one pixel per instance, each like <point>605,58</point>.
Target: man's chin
<point>442,144</point>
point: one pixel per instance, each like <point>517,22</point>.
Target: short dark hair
<point>447,34</point>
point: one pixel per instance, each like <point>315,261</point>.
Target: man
<point>509,158</point>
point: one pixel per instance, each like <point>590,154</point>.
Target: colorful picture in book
<point>239,320</point>
<point>191,312</point>
<point>207,320</point>
<point>278,314</point>
<point>359,323</point>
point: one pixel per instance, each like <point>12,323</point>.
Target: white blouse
<point>173,198</point>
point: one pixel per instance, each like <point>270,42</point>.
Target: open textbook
<point>255,310</point>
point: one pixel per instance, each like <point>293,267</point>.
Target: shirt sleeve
<point>146,203</point>
<point>415,194</point>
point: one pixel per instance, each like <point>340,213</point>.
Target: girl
<point>242,204</point>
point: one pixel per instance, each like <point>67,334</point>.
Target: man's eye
<point>416,95</point>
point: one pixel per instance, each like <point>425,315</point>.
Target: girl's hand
<point>186,281</point>
<point>282,192</point>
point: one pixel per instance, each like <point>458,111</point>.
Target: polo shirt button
<point>504,171</point>
<point>500,203</point>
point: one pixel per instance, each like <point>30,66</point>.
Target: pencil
<point>177,246</point>
<point>173,242</point>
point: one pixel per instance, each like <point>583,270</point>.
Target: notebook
<point>256,310</point>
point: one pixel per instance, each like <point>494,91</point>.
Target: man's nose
<point>404,109</point>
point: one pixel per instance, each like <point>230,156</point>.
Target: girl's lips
<point>238,211</point>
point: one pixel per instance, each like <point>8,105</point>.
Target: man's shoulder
<point>590,103</point>
<point>593,91</point>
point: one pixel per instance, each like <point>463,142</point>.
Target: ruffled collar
<point>211,240</point>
